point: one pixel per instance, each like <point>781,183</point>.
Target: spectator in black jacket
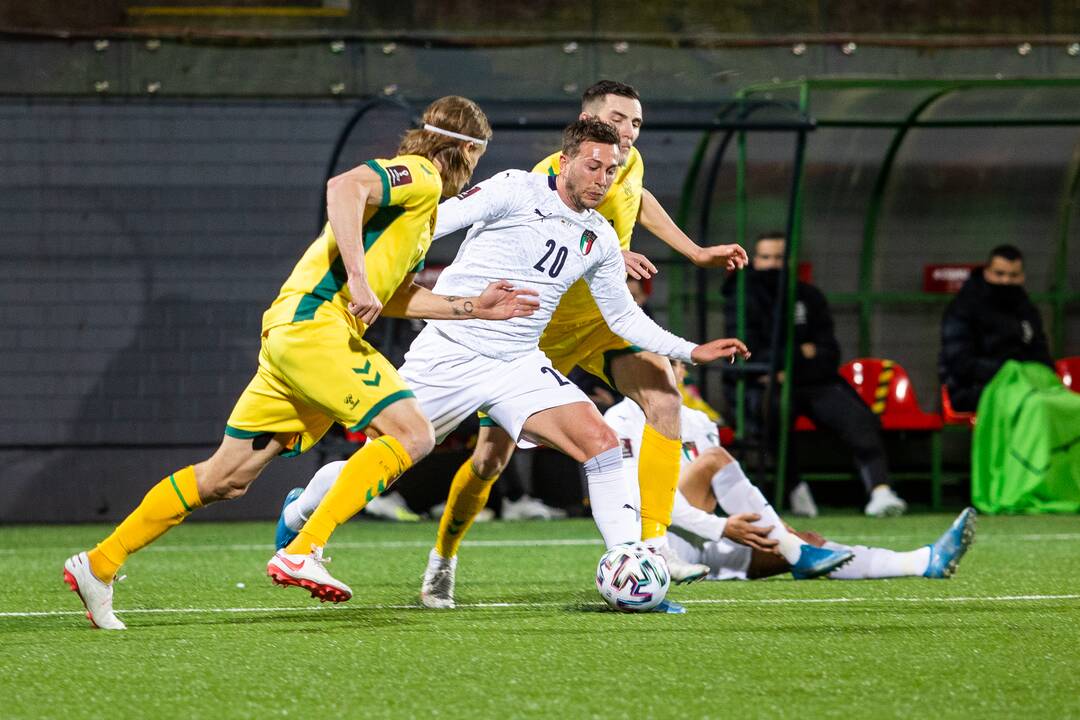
<point>818,390</point>
<point>990,320</point>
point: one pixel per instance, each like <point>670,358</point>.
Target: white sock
<point>736,494</point>
<point>687,517</point>
<point>320,483</point>
<point>612,498</point>
<point>872,563</point>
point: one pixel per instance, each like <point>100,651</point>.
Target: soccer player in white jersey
<point>577,336</point>
<point>542,233</point>
<point>750,542</point>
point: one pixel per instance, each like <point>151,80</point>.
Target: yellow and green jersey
<point>620,206</point>
<point>396,236</point>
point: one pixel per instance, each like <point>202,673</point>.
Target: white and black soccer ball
<point>632,577</point>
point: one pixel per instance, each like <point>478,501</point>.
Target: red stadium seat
<point>1068,369</point>
<point>885,386</point>
<point>954,417</point>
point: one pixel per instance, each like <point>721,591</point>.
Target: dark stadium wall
<point>159,176</point>
<point>143,239</point>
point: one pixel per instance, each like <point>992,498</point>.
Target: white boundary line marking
<point>542,542</point>
<point>516,605</point>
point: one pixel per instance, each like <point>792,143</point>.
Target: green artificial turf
<point>531,637</point>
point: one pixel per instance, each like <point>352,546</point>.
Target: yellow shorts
<point>312,374</point>
<point>590,347</point>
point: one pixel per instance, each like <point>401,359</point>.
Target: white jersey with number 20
<point>522,231</point>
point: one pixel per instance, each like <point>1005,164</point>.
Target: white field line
<point>519,605</point>
<point>550,542</point>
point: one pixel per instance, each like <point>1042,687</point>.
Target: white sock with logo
<point>612,498</point>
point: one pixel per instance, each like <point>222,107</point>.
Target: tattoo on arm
<point>466,306</point>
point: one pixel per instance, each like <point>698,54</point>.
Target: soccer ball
<point>632,577</point>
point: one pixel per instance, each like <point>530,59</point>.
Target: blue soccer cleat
<point>669,607</point>
<point>817,561</point>
<point>945,554</point>
<point>286,534</point>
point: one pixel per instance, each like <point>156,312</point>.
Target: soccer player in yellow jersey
<point>315,368</point>
<point>577,335</point>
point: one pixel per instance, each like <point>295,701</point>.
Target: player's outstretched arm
<point>724,348</point>
<point>655,219</point>
<point>499,301</point>
<point>346,196</point>
<point>607,283</point>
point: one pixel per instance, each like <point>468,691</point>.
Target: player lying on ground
<point>315,368</point>
<point>578,336</point>
<point>742,545</point>
<point>538,232</point>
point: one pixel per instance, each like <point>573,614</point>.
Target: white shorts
<point>452,382</point>
<point>726,560</point>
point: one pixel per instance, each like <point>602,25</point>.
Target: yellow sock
<point>369,471</point>
<point>166,505</point>
<point>468,496</point>
<point>658,476</point>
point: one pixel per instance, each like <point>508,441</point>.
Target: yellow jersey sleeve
<point>396,236</point>
<point>407,181</point>
<point>623,200</point>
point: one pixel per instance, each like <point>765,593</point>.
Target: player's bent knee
<point>228,474</point>
<point>230,485</point>
<point>596,439</point>
<point>418,440</point>
<point>489,461</point>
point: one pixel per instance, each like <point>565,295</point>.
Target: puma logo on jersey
<point>542,215</point>
<point>399,175</point>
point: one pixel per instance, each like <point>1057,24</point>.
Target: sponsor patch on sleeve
<point>471,191</point>
<point>399,175</point>
<point>627,447</point>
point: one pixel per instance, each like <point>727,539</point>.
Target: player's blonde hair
<point>456,114</point>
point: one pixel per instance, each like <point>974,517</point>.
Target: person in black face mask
<point>818,390</point>
<point>991,320</point>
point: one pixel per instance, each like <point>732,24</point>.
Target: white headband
<point>458,136</point>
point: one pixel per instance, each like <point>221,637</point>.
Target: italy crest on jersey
<point>587,239</point>
<point>690,450</point>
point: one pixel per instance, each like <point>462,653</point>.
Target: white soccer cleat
<point>437,590</point>
<point>391,506</point>
<point>885,503</point>
<point>485,515</point>
<point>681,572</point>
<point>96,596</point>
<point>529,508</point>
<point>308,572</point>
<point>802,501</point>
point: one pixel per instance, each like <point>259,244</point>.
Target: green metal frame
<point>867,299</point>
